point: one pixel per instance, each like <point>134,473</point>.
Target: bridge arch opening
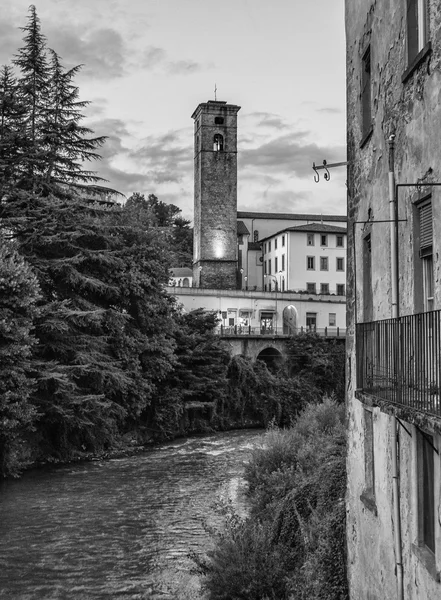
<point>271,357</point>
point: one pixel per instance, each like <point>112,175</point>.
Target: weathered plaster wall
<point>412,111</point>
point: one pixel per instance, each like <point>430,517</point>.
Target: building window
<point>323,240</point>
<point>426,252</point>
<point>311,320</point>
<point>426,490</point>
<point>264,268</point>
<point>219,120</point>
<point>310,239</point>
<point>283,240</point>
<point>310,288</point>
<point>369,465</point>
<point>269,267</point>
<point>323,263</point>
<point>340,241</point>
<point>416,28</point>
<point>310,263</point>
<point>218,142</point>
<point>276,262</point>
<point>275,244</point>
<point>340,289</point>
<point>324,288</point>
<point>283,262</point>
<point>283,284</point>
<point>269,246</point>
<point>264,248</point>
<point>340,264</point>
<point>256,236</point>
<point>332,319</point>
<point>368,305</point>
<point>366,93</point>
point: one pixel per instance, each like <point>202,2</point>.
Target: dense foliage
<point>292,544</point>
<point>19,293</point>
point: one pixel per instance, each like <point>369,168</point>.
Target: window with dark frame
<point>269,267</point>
<point>310,239</point>
<point>366,103</point>
<point>283,240</point>
<point>426,490</point>
<point>323,240</point>
<point>340,289</point>
<point>368,306</point>
<point>310,263</point>
<point>283,262</point>
<point>219,120</point>
<point>324,263</point>
<point>332,319</point>
<point>311,288</point>
<point>416,24</point>
<point>324,288</point>
<point>340,264</point>
<point>275,244</point>
<point>369,465</point>
<point>311,320</point>
<point>276,263</point>
<point>425,218</point>
<point>340,241</point>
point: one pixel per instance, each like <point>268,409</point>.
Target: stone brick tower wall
<point>215,195</point>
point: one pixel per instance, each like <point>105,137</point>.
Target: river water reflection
<point>122,528</point>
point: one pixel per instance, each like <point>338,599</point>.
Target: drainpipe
<point>393,215</point>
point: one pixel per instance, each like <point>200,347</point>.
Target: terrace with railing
<point>398,361</point>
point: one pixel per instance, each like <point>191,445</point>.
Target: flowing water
<point>122,528</point>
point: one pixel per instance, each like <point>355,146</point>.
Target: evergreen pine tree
<point>19,293</point>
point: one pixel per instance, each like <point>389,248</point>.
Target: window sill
<point>367,136</point>
<point>427,558</point>
<point>368,499</point>
<point>419,58</point>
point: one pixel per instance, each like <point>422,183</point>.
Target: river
<point>121,528</point>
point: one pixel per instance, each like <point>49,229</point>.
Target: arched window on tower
<point>218,142</point>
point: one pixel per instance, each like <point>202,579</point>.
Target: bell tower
<point>215,195</point>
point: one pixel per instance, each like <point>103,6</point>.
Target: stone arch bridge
<point>268,347</point>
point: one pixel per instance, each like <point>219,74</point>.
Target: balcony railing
<point>398,360</point>
<point>240,330</point>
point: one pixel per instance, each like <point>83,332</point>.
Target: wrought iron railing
<point>398,360</point>
<point>244,330</point>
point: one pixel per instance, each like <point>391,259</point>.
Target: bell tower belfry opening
<point>215,195</point>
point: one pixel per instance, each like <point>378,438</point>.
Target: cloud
<point>165,157</point>
<point>156,164</point>
<point>154,57</point>
<point>330,110</point>
<point>277,201</point>
<point>288,154</point>
<point>267,119</point>
<point>101,51</point>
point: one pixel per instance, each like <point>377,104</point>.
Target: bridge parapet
<point>279,332</point>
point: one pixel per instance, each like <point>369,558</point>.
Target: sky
<point>149,63</point>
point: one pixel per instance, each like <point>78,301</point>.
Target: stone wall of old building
<point>405,102</point>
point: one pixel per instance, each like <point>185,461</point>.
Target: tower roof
<point>215,107</point>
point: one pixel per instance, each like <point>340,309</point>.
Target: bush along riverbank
<point>292,544</point>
